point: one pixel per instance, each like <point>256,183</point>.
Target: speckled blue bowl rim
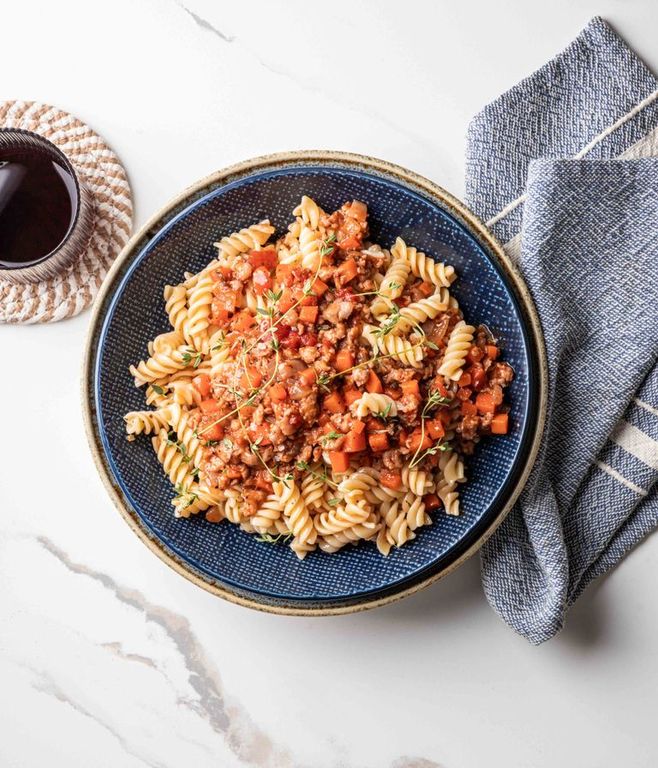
<point>201,192</point>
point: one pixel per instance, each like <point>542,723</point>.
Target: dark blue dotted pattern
<point>135,313</point>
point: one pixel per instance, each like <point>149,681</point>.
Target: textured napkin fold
<point>564,169</point>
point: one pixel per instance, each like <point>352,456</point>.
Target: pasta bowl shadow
<point>129,311</point>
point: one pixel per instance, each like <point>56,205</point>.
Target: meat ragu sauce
<point>284,398</point>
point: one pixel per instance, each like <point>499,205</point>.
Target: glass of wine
<point>46,212</point>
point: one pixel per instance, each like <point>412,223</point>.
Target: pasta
<point>460,342</point>
<point>424,267</point>
<point>280,405</point>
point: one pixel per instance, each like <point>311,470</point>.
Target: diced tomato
<point>262,280</point>
<point>474,354</point>
<point>492,351</point>
<point>209,406</point>
<point>346,271</point>
<point>243,321</point>
<point>431,501</point>
<point>350,244</point>
<point>378,441</point>
<point>265,258</point>
<point>219,316</point>
<point>469,409</point>
<point>351,395</point>
<point>484,402</point>
<point>426,289</point>
<point>410,387</point>
<point>264,481</point>
<point>278,393</point>
<point>202,384</point>
<point>221,272</point>
<point>374,384</point>
<point>233,472</point>
<point>292,341</point>
<point>390,479</point>
<point>308,314</point>
<point>439,384</point>
<point>284,274</point>
<point>478,377</point>
<point>435,429</point>
<point>251,378</point>
<point>354,442</point>
<point>309,339</point>
<point>281,331</point>
<point>340,461</point>
<point>333,403</point>
<point>260,433</point>
<point>344,360</point>
<point>419,442</point>
<point>500,424</point>
<point>308,376</point>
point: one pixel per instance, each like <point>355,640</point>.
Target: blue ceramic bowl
<point>130,311</point>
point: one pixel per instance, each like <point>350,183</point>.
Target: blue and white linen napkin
<point>564,169</point>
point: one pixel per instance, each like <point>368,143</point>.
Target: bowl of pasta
<point>314,383</point>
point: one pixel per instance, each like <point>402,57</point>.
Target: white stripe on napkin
<point>646,406</point>
<point>613,473</point>
<point>635,442</point>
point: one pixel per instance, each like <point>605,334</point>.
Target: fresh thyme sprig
<point>193,357</point>
<point>303,466</point>
<point>268,538</point>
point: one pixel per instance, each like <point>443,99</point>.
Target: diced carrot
<point>319,288</point>
<point>435,429</point>
<point>358,426</point>
<point>484,402</point>
<point>373,423</point>
<point>340,461</point>
<point>214,515</point>
<point>247,411</point>
<point>283,272</point>
<point>202,384</point>
<point>351,395</point>
<point>347,271</point>
<point>286,301</point>
<point>308,314</point>
<point>265,258</point>
<point>233,472</point>
<point>427,289</point>
<point>303,297</point>
<point>403,437</point>
<point>344,360</point>
<point>308,376</point>
<point>418,444</point>
<point>333,403</point>
<point>354,442</point>
<point>395,394</point>
<point>500,424</point>
<point>214,431</point>
<point>464,393</point>
<point>431,501</point>
<point>278,393</point>
<point>410,387</point>
<point>492,351</point>
<point>464,380</point>
<point>226,299</point>
<point>469,408</point>
<point>374,384</point>
<point>209,406</point>
<point>378,441</point>
<point>390,479</point>
<point>251,378</point>
<point>350,243</point>
<point>262,280</point>
<point>243,321</point>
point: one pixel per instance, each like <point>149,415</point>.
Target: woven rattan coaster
<point>102,173</point>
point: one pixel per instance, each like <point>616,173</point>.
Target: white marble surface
<point>107,658</point>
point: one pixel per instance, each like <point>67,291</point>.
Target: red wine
<point>38,204</point>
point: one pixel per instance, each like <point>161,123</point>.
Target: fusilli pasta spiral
<point>371,402</point>
<point>459,343</point>
<point>424,267</point>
